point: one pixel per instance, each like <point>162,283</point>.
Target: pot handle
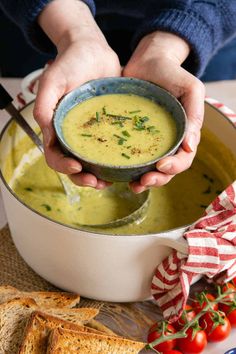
<point>173,239</point>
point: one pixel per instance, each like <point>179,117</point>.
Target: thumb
<point>51,89</point>
<point>193,102</point>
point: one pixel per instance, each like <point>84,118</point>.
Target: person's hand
<point>83,54</point>
<point>158,58</point>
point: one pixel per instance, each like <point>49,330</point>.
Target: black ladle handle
<point>6,103</point>
<point>5,98</point>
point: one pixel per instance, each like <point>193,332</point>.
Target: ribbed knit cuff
<point>34,32</point>
<point>189,26</point>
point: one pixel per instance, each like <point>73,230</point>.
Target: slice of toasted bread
<point>13,319</point>
<point>7,293</point>
<point>38,329</point>
<point>79,315</point>
<point>100,327</point>
<point>44,299</point>
<point>63,341</point>
<point>14,315</point>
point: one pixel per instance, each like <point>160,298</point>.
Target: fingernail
<point>191,142</point>
<point>165,167</point>
<point>141,190</point>
<point>89,185</point>
<point>46,136</point>
<point>75,169</point>
<point>152,182</point>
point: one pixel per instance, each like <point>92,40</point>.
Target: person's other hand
<point>83,54</point>
<point>158,58</point>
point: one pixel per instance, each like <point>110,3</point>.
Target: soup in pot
<point>178,203</point>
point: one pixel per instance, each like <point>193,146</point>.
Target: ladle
<point>70,189</point>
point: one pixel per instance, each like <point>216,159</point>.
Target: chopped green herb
<point>128,147</point>
<point>132,112</point>
<point>118,123</point>
<point>121,139</point>
<point>28,189</point>
<point>125,133</point>
<point>117,136</point>
<point>144,119</point>
<point>207,191</point>
<point>104,110</point>
<point>139,122</point>
<point>152,129</point>
<point>97,117</point>
<point>126,156</point>
<point>87,135</point>
<point>208,178</point>
<point>47,207</point>
<point>117,116</point>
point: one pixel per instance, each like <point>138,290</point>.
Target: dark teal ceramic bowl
<point>231,351</point>
<point>119,85</point>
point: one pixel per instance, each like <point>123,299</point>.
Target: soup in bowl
<point>119,127</point>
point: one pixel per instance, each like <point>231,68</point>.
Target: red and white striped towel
<point>211,252</point>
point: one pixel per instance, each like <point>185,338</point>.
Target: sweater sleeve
<point>25,12</point>
<point>205,24</point>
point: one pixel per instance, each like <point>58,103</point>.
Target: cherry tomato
<point>185,318</point>
<point>231,315</point>
<point>199,303</point>
<point>229,287</point>
<point>220,332</point>
<point>234,281</point>
<point>156,332</point>
<point>193,345</point>
<point>172,352</point>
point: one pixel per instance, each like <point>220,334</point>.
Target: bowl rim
<point>169,152</point>
<point>89,232</point>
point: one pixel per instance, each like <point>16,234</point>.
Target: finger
<point>102,184</point>
<point>177,163</point>
<point>51,88</point>
<point>84,179</point>
<point>50,91</point>
<point>136,187</point>
<point>59,162</point>
<point>155,179</point>
<point>193,102</point>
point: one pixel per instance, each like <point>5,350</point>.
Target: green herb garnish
<point>28,189</point>
<point>139,122</point>
<point>126,156</point>
<point>87,135</point>
<point>47,207</point>
<point>207,191</point>
<point>118,123</point>
<point>121,139</point>
<point>97,117</point>
<point>208,178</point>
<point>152,129</point>
<point>117,116</point>
<point>132,112</point>
<point>104,110</point>
<point>125,133</point>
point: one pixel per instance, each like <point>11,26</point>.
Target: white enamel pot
<point>104,267</point>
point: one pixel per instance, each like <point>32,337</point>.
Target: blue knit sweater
<point>205,24</point>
